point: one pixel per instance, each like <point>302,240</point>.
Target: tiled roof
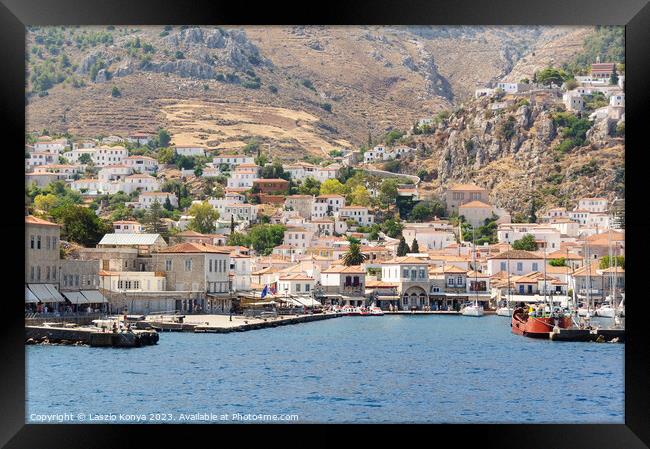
<point>515,254</point>
<point>405,260</point>
<point>30,219</point>
<point>475,204</point>
<point>343,269</point>
<point>192,248</point>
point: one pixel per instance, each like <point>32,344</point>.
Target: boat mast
<point>545,301</point>
<point>474,263</point>
<point>508,294</point>
<point>588,278</point>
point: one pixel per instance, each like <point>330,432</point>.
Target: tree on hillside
<point>332,187</point>
<point>80,225</point>
<point>152,221</point>
<point>359,196</point>
<point>163,138</point>
<point>264,237</point>
<point>232,224</point>
<point>204,217</point>
<point>388,191</point>
<point>354,256</point>
<point>85,159</point>
<point>46,202</point>
<point>607,262</point>
<point>309,186</point>
<point>415,248</point>
<point>526,243</point>
<point>402,248</point>
<point>427,210</point>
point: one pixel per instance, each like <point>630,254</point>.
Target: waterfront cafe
<point>41,298</point>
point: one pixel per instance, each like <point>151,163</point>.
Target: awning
<point>265,303</point>
<point>94,296</point>
<point>29,296</point>
<point>75,297</point>
<point>386,298</point>
<point>309,302</point>
<point>46,293</point>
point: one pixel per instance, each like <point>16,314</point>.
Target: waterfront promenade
<point>226,323</point>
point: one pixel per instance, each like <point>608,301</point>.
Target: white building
<point>359,214</point>
<point>240,212</point>
<point>243,176</point>
<point>544,235</point>
<point>37,158</point>
<point>127,226</point>
<point>114,172</point>
<point>513,88</point>
<point>141,164</point>
<point>573,101</point>
<point>298,237</point>
<point>232,160</point>
<point>49,145</point>
<point>190,150</point>
<point>141,182</point>
<point>515,262</point>
<point>146,199</point>
<point>240,271</point>
<point>428,238</point>
<point>593,204</point>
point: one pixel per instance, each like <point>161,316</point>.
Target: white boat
<point>472,310</point>
<point>504,311</point>
<point>606,311</point>
<point>376,311</point>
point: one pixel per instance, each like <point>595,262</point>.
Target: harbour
<point>395,368</point>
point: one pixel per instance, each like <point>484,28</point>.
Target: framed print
<point>349,214</point>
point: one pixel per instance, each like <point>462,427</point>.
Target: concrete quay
<point>89,336</point>
<point>223,323</point>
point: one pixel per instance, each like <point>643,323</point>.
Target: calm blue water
<point>440,369</point>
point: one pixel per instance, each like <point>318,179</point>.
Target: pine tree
<point>232,224</point>
<point>415,247</point>
<point>402,248</point>
<point>153,223</point>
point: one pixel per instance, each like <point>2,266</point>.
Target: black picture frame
<point>634,14</point>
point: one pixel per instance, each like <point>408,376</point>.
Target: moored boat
<point>538,326</point>
<point>472,310</point>
<point>504,311</point>
<point>376,311</point>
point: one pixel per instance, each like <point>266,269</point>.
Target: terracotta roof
<point>405,260</point>
<point>30,219</point>
<point>343,269</point>
<point>473,187</point>
<point>380,284</point>
<point>475,204</point>
<point>195,248</point>
<point>515,254</point>
<point>296,277</point>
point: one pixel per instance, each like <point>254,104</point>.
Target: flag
<point>265,291</point>
<point>274,288</point>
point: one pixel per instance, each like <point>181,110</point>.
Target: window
<point>168,265</point>
<point>188,265</point>
<point>520,266</point>
<point>450,281</point>
<point>120,284</point>
<point>38,242</point>
<point>47,273</point>
<point>406,273</point>
<point>503,266</point>
<point>54,273</point>
<point>210,266</point>
<point>38,273</point>
<point>535,266</point>
<point>297,287</point>
<point>31,245</point>
<point>76,280</point>
<point>307,287</point>
<point>47,242</point>
<point>31,276</point>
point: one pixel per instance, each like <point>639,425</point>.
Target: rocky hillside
<point>519,154</point>
<point>301,90</point>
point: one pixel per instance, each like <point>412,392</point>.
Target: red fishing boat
<point>538,326</point>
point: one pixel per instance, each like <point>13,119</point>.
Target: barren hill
<point>301,90</point>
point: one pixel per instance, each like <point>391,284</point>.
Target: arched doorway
<point>414,297</point>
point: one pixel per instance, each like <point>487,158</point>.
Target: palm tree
<point>354,256</point>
